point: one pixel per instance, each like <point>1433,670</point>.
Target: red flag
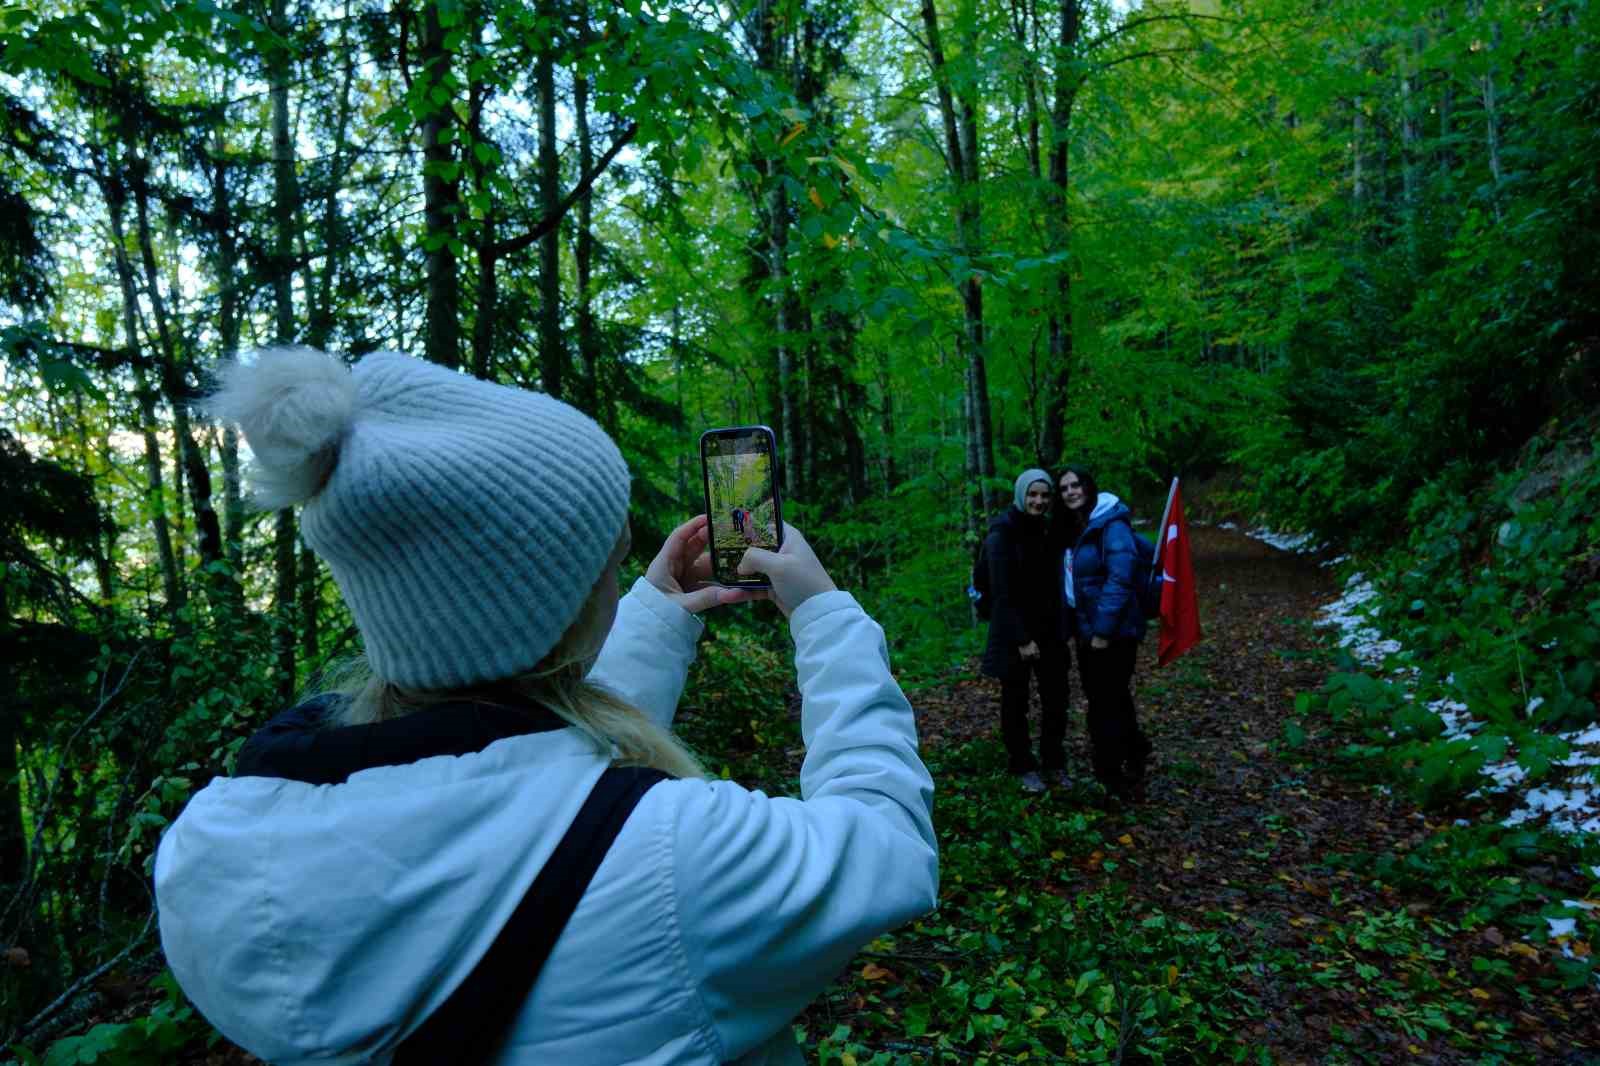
<point>1180,603</point>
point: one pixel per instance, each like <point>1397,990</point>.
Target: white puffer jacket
<point>323,923</point>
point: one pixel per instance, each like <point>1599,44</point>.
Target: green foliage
<point>1022,960</point>
<point>154,1039</point>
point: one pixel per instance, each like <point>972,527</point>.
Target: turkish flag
<point>1180,603</point>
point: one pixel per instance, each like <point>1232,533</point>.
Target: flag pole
<point>1166,514</point>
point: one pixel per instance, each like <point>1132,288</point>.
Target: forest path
<point>1243,835</point>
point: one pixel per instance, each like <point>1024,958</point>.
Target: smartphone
<point>739,467</point>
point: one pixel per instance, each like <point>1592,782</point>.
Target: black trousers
<point>1119,747</point>
<point>1050,670</point>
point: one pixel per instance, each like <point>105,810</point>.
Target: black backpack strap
<point>470,1026</point>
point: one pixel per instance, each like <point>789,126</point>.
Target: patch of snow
<point>1561,807</point>
<point>1364,639</point>
<point>1505,775</point>
<point>1458,721</point>
<point>1571,810</point>
<point>1299,543</point>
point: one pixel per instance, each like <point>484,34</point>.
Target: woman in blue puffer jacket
<point>1101,613</point>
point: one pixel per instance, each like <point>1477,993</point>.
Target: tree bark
<point>1358,177</point>
<point>320,292</point>
<point>891,475</point>
<point>1058,226</point>
<point>583,252</point>
<point>778,272</point>
<point>552,346</point>
<point>227,270</point>
<point>208,530</point>
<point>285,202</point>
<point>486,309</point>
<point>1491,117</point>
<point>114,189</point>
<point>961,150</point>
<point>441,197</point>
<point>13,842</point>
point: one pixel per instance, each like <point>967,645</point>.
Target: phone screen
<point>739,465</point>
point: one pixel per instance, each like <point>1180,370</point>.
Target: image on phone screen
<point>741,498</point>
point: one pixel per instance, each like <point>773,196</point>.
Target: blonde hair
<point>559,683</point>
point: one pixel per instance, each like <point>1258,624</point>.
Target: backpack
<point>1147,580</point>
<point>978,587</point>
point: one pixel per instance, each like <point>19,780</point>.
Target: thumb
<point>758,561</point>
<point>700,599</point>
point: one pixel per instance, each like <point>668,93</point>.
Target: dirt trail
<point>1237,839</point>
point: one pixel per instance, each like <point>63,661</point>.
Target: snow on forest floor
<point>1572,806</point>
<point>1569,806</point>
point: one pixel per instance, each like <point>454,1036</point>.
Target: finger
<point>692,550</point>
<point>698,572</point>
<point>700,599</point>
<point>726,595</point>
<point>677,538</point>
<point>758,561</point>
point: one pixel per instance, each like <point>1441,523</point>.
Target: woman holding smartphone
<point>494,849</point>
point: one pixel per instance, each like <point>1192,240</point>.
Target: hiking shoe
<point>1032,782</point>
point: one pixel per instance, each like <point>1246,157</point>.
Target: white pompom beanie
<point>465,522</point>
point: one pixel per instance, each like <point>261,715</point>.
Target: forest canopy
<point>1312,255</point>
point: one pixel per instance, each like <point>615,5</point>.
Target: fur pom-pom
<point>293,406</point>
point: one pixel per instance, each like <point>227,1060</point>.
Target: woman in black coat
<point>1024,633</point>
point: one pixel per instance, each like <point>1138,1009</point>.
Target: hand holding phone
<point>738,465</point>
<point>795,571</point>
<point>682,570</point>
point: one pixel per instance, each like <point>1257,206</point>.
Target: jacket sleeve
<point>1116,597</point>
<point>1006,625</point>
<point>775,895</point>
<point>646,657</point>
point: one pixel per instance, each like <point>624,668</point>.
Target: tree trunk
<point>1058,226</point>
<point>961,149</point>
<point>1491,118</point>
<point>227,270</point>
<point>583,253</point>
<point>1410,126</point>
<point>486,310</point>
<point>552,347</point>
<point>441,198</point>
<point>891,475</point>
<point>113,188</point>
<point>1358,138</point>
<point>208,530</point>
<point>13,843</point>
<point>285,194</point>
<point>320,294</point>
<point>778,271</point>
<point>285,200</point>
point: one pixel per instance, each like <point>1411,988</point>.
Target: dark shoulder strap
<point>470,1026</point>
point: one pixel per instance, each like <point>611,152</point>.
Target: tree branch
<point>1133,24</point>
<point>553,219</point>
